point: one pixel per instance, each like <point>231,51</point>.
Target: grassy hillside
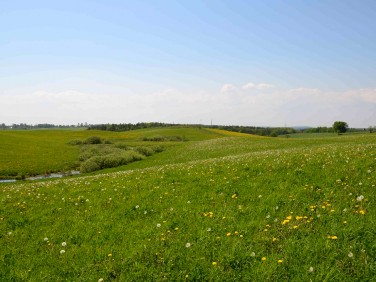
<point>30,152</point>
<point>226,209</point>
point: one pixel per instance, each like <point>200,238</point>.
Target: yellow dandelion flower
<point>280,260</point>
<point>228,234</point>
<point>345,222</point>
<point>289,217</point>
<point>298,217</point>
<point>285,222</point>
<point>295,226</point>
<point>236,232</point>
<point>263,259</point>
<point>214,263</point>
<point>110,255</point>
<point>362,212</point>
<point>234,196</point>
<point>274,239</point>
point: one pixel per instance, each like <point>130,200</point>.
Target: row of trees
<point>127,126</point>
<point>40,125</point>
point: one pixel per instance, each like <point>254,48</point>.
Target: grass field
<point>32,152</point>
<point>220,207</point>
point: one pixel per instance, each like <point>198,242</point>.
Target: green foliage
<point>160,138</point>
<point>93,140</point>
<point>146,151</point>
<point>75,142</point>
<point>110,160</point>
<point>340,126</point>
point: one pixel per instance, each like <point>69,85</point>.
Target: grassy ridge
<point>238,209</point>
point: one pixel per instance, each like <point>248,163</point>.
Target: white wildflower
<point>360,198</point>
<point>311,269</point>
<point>62,252</point>
<point>350,254</point>
<point>64,244</point>
<point>188,245</point>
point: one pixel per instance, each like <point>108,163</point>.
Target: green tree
<point>340,126</point>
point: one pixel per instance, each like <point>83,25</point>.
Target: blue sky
<point>305,62</point>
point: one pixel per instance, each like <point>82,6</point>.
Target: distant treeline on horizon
<point>257,130</point>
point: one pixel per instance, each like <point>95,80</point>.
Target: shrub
<point>146,151</point>
<point>93,140</point>
<point>90,165</point>
<point>158,149</point>
<point>110,160</point>
<point>160,138</point>
<point>122,146</point>
<point>75,142</point>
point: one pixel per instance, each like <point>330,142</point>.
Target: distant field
<point>30,152</point>
<point>220,207</point>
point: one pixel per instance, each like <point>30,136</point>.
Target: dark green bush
<point>110,160</point>
<point>146,151</point>
<point>93,140</point>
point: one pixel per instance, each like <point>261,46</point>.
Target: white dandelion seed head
<point>209,229</point>
<point>64,244</point>
<point>350,254</point>
<point>344,210</point>
<point>62,252</point>
<point>360,198</point>
<point>158,225</point>
<point>260,196</point>
<point>45,239</point>
<point>253,254</point>
<point>145,212</point>
<point>188,202</point>
<point>188,245</point>
<point>137,206</point>
<point>9,233</point>
<point>311,269</point>
<point>100,280</point>
<point>350,194</point>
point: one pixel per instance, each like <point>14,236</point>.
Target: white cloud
<point>268,106</point>
<point>259,86</point>
<point>228,88</point>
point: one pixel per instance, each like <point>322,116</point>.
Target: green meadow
<point>213,206</point>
